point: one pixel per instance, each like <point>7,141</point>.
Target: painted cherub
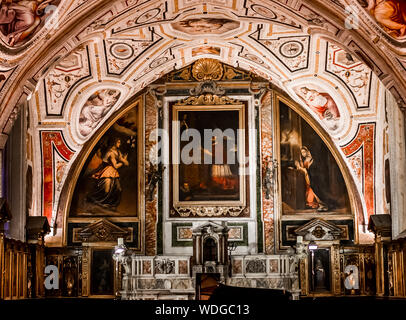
<point>390,14</point>
<point>18,20</point>
<point>95,108</point>
<point>321,103</point>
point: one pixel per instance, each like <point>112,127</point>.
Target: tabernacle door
<point>319,271</point>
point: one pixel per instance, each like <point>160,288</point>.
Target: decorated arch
<point>315,84</point>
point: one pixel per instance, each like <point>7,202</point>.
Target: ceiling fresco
<point>390,15</point>
<point>21,20</point>
<point>280,29</point>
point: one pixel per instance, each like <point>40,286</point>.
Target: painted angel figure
<point>18,20</point>
<point>95,108</point>
<point>321,103</point>
<point>107,191</point>
<point>391,14</point>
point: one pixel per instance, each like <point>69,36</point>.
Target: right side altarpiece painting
<point>311,180</point>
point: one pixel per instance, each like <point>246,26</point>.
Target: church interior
<point>157,150</point>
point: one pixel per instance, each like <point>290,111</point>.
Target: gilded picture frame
<point>209,199</point>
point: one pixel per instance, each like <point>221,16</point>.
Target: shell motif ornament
<point>207,69</point>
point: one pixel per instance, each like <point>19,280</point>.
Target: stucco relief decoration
<point>95,109</point>
<point>155,69</point>
<point>5,73</point>
<point>2,76</point>
<point>315,18</point>
<point>272,13</point>
<point>355,75</point>
<point>98,23</point>
<point>208,99</point>
<point>120,53</point>
<point>199,26</point>
<point>12,118</point>
<point>80,3</point>
<point>19,20</point>
<point>63,77</point>
<point>207,69</point>
<point>254,58</point>
<point>364,142</point>
<point>143,16</point>
<point>260,73</point>
<point>292,51</point>
<point>318,232</point>
<point>390,14</point>
<point>210,211</point>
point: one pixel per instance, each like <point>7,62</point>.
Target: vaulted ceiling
<point>130,43</point>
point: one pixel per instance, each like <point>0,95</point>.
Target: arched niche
<point>96,190</point>
<point>210,249</point>
<point>296,207</point>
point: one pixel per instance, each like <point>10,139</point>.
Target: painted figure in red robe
<point>304,165</point>
<point>391,14</point>
<point>321,103</point>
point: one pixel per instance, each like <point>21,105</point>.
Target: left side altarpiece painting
<point>108,182</point>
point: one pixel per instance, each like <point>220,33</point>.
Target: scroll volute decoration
<point>154,176</point>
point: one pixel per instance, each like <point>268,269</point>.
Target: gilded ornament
<point>207,99</point>
<point>196,211</point>
<point>230,74</point>
<point>185,74</point>
<point>207,69</point>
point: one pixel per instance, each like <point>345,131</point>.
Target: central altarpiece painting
<point>214,174</point>
<point>208,153</point>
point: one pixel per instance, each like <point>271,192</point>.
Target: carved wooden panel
<point>85,272</point>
